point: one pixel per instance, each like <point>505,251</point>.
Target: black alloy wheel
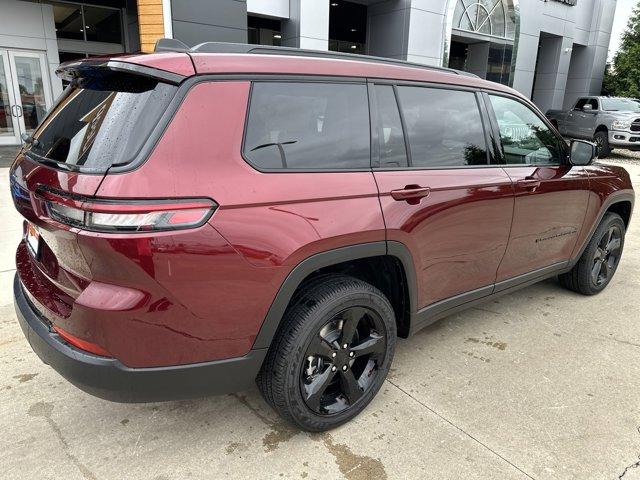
<point>606,256</point>
<point>331,354</point>
<point>343,360</point>
<point>599,261</point>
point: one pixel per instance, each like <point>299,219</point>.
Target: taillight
<point>109,215</point>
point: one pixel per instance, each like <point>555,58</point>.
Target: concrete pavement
<point>540,384</point>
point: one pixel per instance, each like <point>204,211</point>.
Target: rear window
<point>102,122</point>
<point>312,125</point>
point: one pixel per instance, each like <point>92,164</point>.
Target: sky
<point>623,12</point>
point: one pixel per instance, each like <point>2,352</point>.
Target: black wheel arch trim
<point>325,259</point>
<point>616,197</point>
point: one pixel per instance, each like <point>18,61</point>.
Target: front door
<point>586,120</point>
<point>439,195</point>
<point>25,93</point>
<point>551,195</point>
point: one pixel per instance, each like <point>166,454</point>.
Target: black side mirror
<point>582,152</point>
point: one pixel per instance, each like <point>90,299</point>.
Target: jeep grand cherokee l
<point>196,221</point>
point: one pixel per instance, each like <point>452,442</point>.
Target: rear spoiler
<point>94,67</point>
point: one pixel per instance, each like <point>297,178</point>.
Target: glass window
<point>620,104</point>
<point>102,24</point>
<point>308,126</point>
<point>68,21</point>
<point>392,148</point>
<point>102,122</point>
<point>580,104</point>
<point>7,128</point>
<point>594,103</point>
<point>525,137</point>
<point>444,127</point>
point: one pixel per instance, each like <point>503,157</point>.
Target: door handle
<point>411,194</point>
<point>529,183</point>
<point>19,110</point>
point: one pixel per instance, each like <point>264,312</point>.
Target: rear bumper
<point>109,379</point>
<point>623,139</point>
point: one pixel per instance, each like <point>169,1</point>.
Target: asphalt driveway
<point>541,384</point>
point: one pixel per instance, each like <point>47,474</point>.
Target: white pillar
<point>308,25</point>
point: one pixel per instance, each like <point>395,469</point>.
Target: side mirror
<point>587,108</point>
<point>582,152</point>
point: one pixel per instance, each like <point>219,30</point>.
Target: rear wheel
<point>599,262</point>
<point>601,140</point>
<point>331,355</point>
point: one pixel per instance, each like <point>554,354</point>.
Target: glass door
<point>31,88</point>
<point>9,130</point>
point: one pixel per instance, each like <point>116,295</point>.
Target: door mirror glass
<point>587,108</point>
<point>582,153</point>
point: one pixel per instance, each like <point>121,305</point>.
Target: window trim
<point>303,79</point>
<point>443,86</point>
<point>564,161</point>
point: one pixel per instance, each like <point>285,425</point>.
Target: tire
<point>308,376</point>
<point>604,248</point>
<point>601,139</point>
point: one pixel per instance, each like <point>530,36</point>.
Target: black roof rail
<point>172,45</point>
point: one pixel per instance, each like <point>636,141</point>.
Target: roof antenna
<point>170,45</point>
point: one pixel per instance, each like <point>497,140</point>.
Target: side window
<point>392,148</point>
<point>594,103</point>
<point>444,127</point>
<point>297,125</point>
<point>525,138</point>
<point>580,103</point>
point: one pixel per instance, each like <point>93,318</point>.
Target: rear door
<point>440,196</point>
<point>551,195</point>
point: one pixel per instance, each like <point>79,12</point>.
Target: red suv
<point>196,221</point>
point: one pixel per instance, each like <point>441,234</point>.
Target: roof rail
<point>172,45</point>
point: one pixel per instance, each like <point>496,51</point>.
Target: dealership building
<point>552,51</point>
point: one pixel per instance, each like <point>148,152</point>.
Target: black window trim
<point>305,79</point>
<point>564,161</point>
<point>408,83</point>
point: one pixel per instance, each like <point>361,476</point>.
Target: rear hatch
<point>104,122</point>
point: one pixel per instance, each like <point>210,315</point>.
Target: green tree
<point>622,77</point>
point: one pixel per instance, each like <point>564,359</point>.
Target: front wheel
<point>331,354</point>
<point>603,149</point>
<point>600,259</point>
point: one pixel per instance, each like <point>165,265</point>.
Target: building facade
<point>552,51</point>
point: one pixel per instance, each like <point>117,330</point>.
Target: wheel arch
<point>616,202</point>
<point>602,128</point>
<point>386,265</point>
<point>622,208</point>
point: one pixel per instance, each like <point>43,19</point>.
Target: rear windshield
<point>102,122</point>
